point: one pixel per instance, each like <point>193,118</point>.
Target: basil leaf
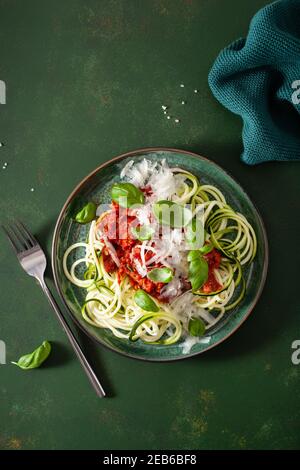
<point>36,358</point>
<point>161,275</point>
<point>198,269</point>
<point>87,213</point>
<point>193,255</point>
<point>142,233</point>
<point>126,194</point>
<point>206,249</point>
<point>172,214</point>
<point>195,233</point>
<point>144,301</point>
<point>196,327</point>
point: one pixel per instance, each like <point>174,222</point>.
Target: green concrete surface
<point>85,82</point>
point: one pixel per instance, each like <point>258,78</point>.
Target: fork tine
<point>12,239</point>
<point>13,229</point>
<point>21,237</point>
<point>30,240</point>
<point>29,235</point>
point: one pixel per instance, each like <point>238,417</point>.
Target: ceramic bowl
<point>96,187</point>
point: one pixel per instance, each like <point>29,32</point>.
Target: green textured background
<point>85,82</point>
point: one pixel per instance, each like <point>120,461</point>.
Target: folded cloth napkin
<point>258,78</point>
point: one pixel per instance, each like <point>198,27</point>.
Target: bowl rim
<point>134,153</point>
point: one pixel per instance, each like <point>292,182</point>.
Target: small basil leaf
<point>161,275</point>
<point>193,254</point>
<point>36,358</point>
<point>198,269</point>
<point>171,214</point>
<point>145,302</point>
<point>127,195</point>
<point>206,249</point>
<point>196,327</point>
<point>142,233</point>
<point>87,213</point>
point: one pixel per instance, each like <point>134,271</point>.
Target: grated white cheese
<point>190,341</point>
<point>186,307</point>
<point>172,289</point>
<point>138,173</point>
<point>140,268</point>
<point>157,175</point>
<point>126,169</point>
<point>162,182</point>
<point>144,214</point>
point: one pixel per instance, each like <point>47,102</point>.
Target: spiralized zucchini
<point>110,304</point>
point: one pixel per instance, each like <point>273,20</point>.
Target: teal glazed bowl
<point>96,187</point>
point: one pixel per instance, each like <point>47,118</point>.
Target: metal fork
<point>33,261</point>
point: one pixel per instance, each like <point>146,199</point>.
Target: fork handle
<point>77,349</point>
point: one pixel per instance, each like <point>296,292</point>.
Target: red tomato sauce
<point>213,259</point>
<point>116,227</point>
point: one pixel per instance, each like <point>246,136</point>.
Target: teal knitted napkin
<point>258,78</point>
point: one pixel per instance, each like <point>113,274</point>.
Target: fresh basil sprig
<point>143,232</point>
<point>127,194</point>
<point>145,302</point>
<point>161,275</point>
<point>36,358</point>
<point>87,213</point>
<point>198,269</point>
<point>196,327</point>
<point>171,214</point>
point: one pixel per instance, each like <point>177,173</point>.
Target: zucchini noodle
<point>110,300</point>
